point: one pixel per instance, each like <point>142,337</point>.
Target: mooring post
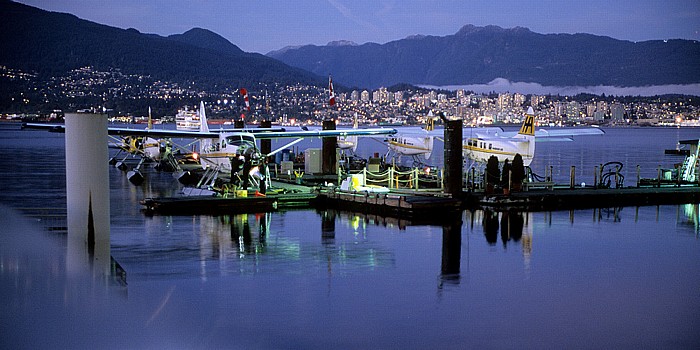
<point>328,152</point>
<point>453,156</point>
<point>658,177</point>
<point>266,145</point>
<point>87,193</point>
<point>572,177</point>
<point>595,177</point>
<point>638,175</point>
<point>390,176</point>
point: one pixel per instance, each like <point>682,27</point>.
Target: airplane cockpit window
<point>238,140</point>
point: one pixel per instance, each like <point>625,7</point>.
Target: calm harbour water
<point>598,278</point>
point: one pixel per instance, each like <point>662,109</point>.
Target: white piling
<point>87,190</point>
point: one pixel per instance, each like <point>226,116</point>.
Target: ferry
<point>187,120</point>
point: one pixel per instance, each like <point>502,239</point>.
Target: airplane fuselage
<point>411,146</point>
<point>227,149</point>
<point>481,150</point>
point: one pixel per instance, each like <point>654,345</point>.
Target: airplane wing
<point>325,133</point>
<point>559,134</point>
<point>157,133</point>
<point>568,132</point>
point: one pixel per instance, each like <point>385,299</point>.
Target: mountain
<point>478,55</point>
<point>207,39</point>
<point>50,44</point>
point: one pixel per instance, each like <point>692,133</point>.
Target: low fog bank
<point>501,85</point>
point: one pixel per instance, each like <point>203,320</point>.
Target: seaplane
<point>413,141</point>
<point>418,141</point>
<point>230,151</point>
<point>505,145</point>
<point>479,144</point>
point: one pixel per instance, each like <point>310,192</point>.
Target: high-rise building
<point>364,96</point>
<point>617,112</point>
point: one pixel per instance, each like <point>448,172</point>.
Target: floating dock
<point>290,196</point>
<point>415,206</point>
<point>575,198</point>
<point>194,205</point>
<point>423,206</point>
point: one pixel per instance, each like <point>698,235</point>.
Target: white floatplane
<point>230,150</point>
<point>505,145</point>
<point>479,144</point>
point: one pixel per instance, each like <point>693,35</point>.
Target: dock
<point>579,198</point>
<point>416,206</point>
<point>290,196</point>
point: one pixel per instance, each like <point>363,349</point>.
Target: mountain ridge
<point>478,55</point>
<point>53,43</point>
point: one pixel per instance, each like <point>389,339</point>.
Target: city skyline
<point>266,26</point>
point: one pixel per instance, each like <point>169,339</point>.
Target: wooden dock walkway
<point>415,206</point>
<point>420,206</point>
<point>567,198</point>
<point>289,196</point>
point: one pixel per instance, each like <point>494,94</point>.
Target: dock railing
<point>413,179</point>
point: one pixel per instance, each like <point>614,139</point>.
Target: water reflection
<point>511,226</point>
<point>514,228</point>
<point>451,251</point>
<point>282,242</point>
<point>689,215</point>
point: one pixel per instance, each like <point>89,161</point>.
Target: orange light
<point>195,155</point>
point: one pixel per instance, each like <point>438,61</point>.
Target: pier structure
<point>417,195</point>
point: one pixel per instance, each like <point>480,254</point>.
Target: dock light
<point>583,184</point>
<point>195,155</point>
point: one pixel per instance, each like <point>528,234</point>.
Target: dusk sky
<point>263,26</point>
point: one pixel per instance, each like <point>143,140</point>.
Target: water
<point>617,277</point>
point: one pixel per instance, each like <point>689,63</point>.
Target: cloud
<point>504,85</point>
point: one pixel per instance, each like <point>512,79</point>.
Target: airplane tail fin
<point>203,126</point>
<point>204,144</point>
<point>528,127</point>
<point>430,122</point>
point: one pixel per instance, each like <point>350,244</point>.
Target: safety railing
<point>392,178</point>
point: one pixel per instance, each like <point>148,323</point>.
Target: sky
<point>263,26</point>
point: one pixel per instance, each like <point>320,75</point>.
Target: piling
<point>453,157</point>
<point>328,152</point>
<point>87,192</point>
<point>266,144</point>
<point>572,177</point>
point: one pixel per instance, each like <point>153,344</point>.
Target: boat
<point>187,119</point>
